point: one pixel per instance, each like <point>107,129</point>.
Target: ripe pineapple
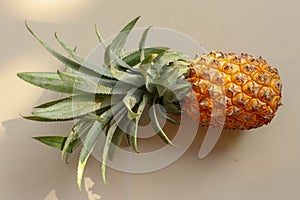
<point>218,89</point>
<point>234,91</point>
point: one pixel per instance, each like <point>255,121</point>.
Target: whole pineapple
<point>234,91</point>
<point>218,89</point>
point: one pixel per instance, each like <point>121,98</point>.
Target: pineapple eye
<point>253,105</point>
<point>265,94</point>
<point>276,85</point>
<point>236,60</point>
<point>261,78</point>
<point>230,68</point>
<point>214,64</point>
<point>249,88</point>
<point>248,69</point>
<point>270,69</point>
<point>241,100</point>
<point>239,78</point>
<point>261,61</point>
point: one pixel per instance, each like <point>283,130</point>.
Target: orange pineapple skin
<point>233,91</point>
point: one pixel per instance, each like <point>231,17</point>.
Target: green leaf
<point>74,134</point>
<point>118,43</point>
<point>181,88</point>
<point>118,136</point>
<point>162,112</point>
<point>87,83</point>
<point>182,66</point>
<point>51,103</point>
<point>133,79</point>
<point>107,145</point>
<point>41,119</point>
<point>133,58</point>
<point>99,37</point>
<point>133,97</point>
<point>90,140</point>
<point>156,126</point>
<point>56,142</point>
<point>88,146</point>
<point>70,108</point>
<point>46,80</point>
<point>134,129</point>
<point>143,42</point>
<point>107,56</point>
<point>68,62</point>
<point>169,57</point>
<point>72,52</point>
<point>116,140</point>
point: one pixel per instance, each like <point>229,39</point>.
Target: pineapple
<point>234,91</point>
<point>218,89</point>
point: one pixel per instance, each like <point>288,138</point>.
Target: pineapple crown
<point>104,98</point>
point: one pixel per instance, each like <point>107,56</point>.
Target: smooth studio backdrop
<point>258,164</point>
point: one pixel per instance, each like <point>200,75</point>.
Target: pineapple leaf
<point>124,126</point>
<point>182,66</point>
<point>133,97</point>
<point>112,60</point>
<point>51,103</point>
<point>143,42</point>
<point>107,56</point>
<point>87,83</point>
<point>73,135</point>
<point>73,107</point>
<point>156,126</point>
<point>42,119</point>
<point>133,58</point>
<point>107,145</point>
<point>70,63</point>
<point>180,89</point>
<point>118,136</point>
<point>88,146</point>
<point>169,57</point>
<point>99,37</point>
<point>168,79</point>
<point>118,43</point>
<point>57,142</point>
<point>90,140</point>
<point>134,129</point>
<point>46,80</point>
<point>116,140</point>
<point>136,80</point>
<point>72,52</point>
<point>162,112</point>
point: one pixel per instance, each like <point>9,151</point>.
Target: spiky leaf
<point>46,80</point>
<point>57,142</point>
<point>90,139</point>
<point>70,108</point>
<point>51,103</point>
<point>88,146</point>
<point>143,42</point>
<point>156,126</point>
<point>134,129</point>
<point>118,43</point>
<point>107,145</point>
<point>87,83</point>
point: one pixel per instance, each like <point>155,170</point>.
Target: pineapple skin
<point>233,91</point>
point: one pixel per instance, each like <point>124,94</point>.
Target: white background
<point>258,164</point>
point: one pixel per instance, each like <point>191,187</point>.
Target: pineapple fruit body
<point>234,91</point>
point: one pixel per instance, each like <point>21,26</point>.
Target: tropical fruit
<point>218,89</point>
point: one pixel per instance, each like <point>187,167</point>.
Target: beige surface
<point>259,164</point>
